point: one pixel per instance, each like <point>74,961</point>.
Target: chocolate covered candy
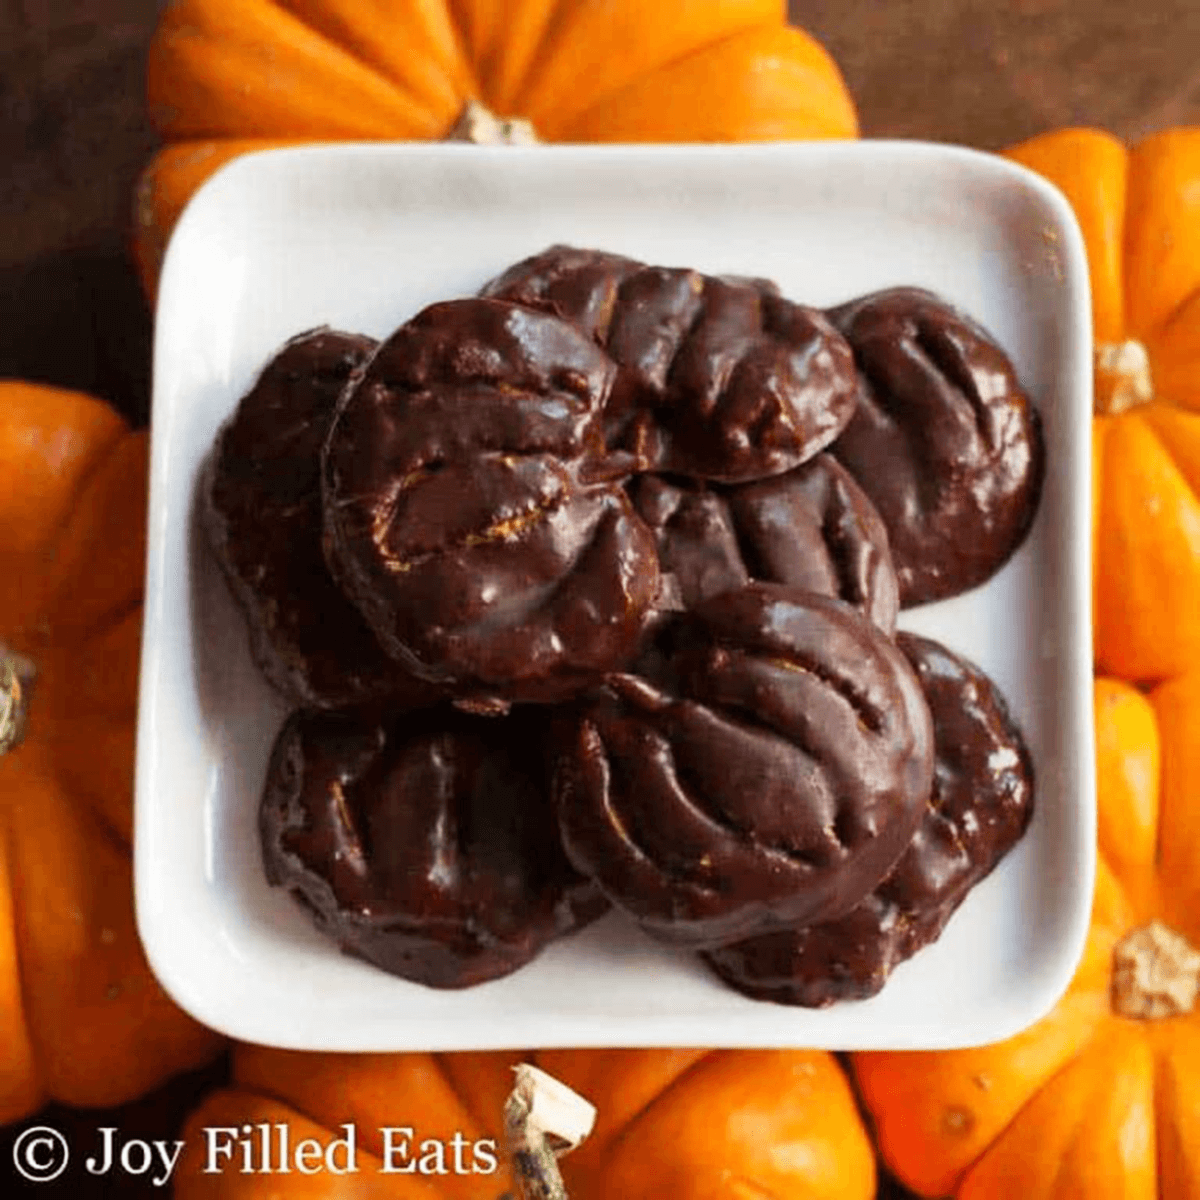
<point>472,512</point>
<point>812,528</point>
<point>425,845</point>
<point>260,504</point>
<point>720,378</point>
<point>944,440</point>
<point>767,765</point>
<point>980,805</point>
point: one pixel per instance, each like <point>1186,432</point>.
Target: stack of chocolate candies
<point>586,590</point>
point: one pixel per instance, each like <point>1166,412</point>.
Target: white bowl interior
<point>361,237</point>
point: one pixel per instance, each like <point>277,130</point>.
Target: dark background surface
<point>73,137</point>
<point>73,133</point>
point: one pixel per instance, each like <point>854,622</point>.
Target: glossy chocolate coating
<point>698,551</point>
<point>812,528</point>
<point>261,509</point>
<point>767,765</point>
<point>425,845</point>
<point>720,378</point>
<point>468,510</point>
<point>980,805</point>
<point>943,440</point>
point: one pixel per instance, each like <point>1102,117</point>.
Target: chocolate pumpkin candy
<point>426,843</point>
<point>469,509</point>
<point>812,528</point>
<point>261,505</point>
<point>766,766</point>
<point>1100,1098</point>
<point>944,440</point>
<point>980,804</point>
<point>719,378</point>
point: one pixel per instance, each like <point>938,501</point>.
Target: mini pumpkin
<point>1139,208</point>
<point>684,1124</point>
<point>1101,1098</point>
<point>81,1018</point>
<point>231,76</point>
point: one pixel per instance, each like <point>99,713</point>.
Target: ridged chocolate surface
<point>767,765</point>
<point>426,845</point>
<point>720,378</point>
<point>261,508</point>
<point>812,528</point>
<point>980,805</point>
<point>470,511</point>
<point>944,440</point>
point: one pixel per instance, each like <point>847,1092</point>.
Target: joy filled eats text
<point>42,1154</point>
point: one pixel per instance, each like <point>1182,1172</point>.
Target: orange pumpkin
<point>81,1018</point>
<point>684,1124</point>
<point>1102,1098</point>
<point>1140,213</point>
<point>231,76</point>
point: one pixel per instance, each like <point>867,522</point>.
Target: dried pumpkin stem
<point>1156,973</point>
<point>16,679</point>
<point>1123,379</point>
<point>479,125</point>
<point>543,1119</point>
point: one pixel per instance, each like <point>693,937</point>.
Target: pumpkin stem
<point>543,1119</point>
<point>1156,973</point>
<point>1123,378</point>
<point>479,125</point>
<point>16,679</point>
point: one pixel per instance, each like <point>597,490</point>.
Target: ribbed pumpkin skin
<point>685,1124</point>
<point>231,76</point>
<point>1139,208</point>
<point>1088,1102</point>
<point>82,1020</point>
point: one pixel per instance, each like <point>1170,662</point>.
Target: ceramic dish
<point>361,237</point>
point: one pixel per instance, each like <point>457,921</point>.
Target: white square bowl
<point>362,237</point>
